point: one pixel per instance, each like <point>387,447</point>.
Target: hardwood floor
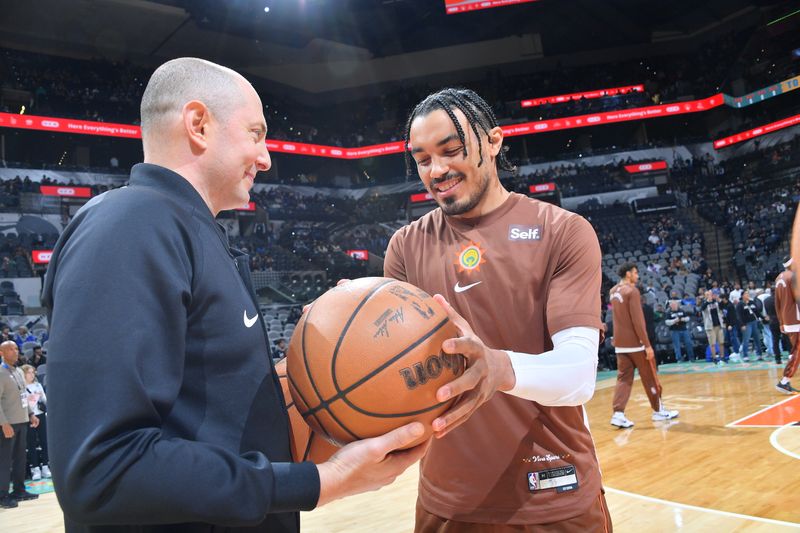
<point>716,468</point>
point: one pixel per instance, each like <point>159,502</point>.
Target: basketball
<point>366,358</point>
<point>306,445</point>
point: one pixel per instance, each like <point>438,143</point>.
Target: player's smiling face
<point>456,182</point>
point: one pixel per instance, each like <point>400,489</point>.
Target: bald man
<point>172,417</point>
<point>15,415</point>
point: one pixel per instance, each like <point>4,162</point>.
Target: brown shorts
<point>595,520</point>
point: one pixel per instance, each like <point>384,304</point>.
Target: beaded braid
<point>475,109</point>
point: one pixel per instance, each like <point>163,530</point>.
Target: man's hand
<point>488,371</point>
<point>8,431</point>
<point>34,421</point>
<point>649,353</point>
<point>370,464</point>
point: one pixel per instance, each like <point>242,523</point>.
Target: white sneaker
<point>46,471</point>
<point>621,421</point>
<point>36,473</point>
<point>664,414</point>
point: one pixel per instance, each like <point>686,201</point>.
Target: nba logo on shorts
<point>533,481</point>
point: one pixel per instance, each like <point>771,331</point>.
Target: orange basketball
<point>306,445</point>
<point>366,358</point>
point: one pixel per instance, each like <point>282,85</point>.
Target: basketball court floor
<point>730,462</point>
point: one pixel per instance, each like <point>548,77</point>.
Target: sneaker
<point>7,502</point>
<point>22,495</point>
<point>786,388</point>
<point>778,361</point>
<point>36,473</point>
<point>621,421</point>
<point>46,471</point>
<point>664,414</point>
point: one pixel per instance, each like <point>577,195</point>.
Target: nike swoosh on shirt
<point>459,288</point>
<point>248,322</point>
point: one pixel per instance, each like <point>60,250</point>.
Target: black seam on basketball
<point>341,394</point>
<point>305,359</point>
<point>346,327</point>
<point>311,411</point>
<point>347,429</point>
<point>391,415</point>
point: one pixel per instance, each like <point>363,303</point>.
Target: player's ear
<point>495,140</point>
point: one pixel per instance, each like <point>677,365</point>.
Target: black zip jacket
<point>164,411</point>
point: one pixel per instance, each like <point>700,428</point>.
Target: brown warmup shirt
<point>518,275</point>
<point>785,306</point>
<point>630,331</point>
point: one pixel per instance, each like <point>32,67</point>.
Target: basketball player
<point>187,429</point>
<point>633,349</point>
<point>523,278</point>
<point>789,317</point>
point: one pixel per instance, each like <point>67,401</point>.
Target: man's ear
<point>495,140</point>
<point>196,117</point>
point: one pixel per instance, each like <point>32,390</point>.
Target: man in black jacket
<point>165,412</point>
<point>750,314</point>
<point>774,326</point>
<point>731,324</point>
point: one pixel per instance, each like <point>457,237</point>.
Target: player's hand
<point>370,464</point>
<point>34,421</point>
<point>8,431</point>
<point>649,353</point>
<point>308,305</point>
<point>488,371</point>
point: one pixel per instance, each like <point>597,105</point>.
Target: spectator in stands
<point>38,461</point>
<point>6,335</point>
<point>749,314</point>
<point>23,336</point>
<point>731,319</point>
<point>764,321</point>
<point>774,326</point>
<point>677,321</point>
<point>37,357</point>
<point>714,324</point>
<point>279,352</point>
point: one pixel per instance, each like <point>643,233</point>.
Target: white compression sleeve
<point>564,376</point>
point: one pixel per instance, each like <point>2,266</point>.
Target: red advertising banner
<point>251,206</point>
<point>542,187</point>
<point>462,6</point>
<point>66,190</point>
<point>610,117</point>
<point>646,167</point>
<point>421,197</point>
<point>757,132</point>
<point>69,125</point>
<point>361,255</point>
<point>600,93</point>
<point>376,150</point>
<point>42,257</point>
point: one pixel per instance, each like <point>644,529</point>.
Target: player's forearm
<point>563,376</point>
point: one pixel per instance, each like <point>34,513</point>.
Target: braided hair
<point>479,117</point>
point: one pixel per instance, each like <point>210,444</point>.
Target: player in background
<point>789,317</point>
<point>633,349</point>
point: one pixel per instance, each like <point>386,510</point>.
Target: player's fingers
<point>342,282</point>
<point>455,416</point>
<point>469,347</point>
<point>460,322</point>
<point>466,382</point>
